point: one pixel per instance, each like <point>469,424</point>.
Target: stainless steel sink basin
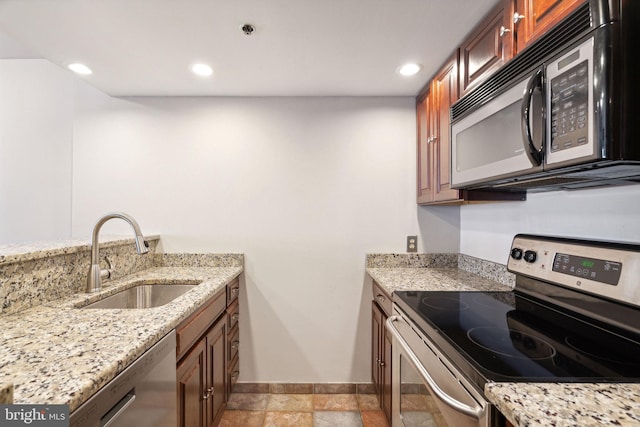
<point>143,296</point>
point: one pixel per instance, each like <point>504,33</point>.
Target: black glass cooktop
<point>510,337</point>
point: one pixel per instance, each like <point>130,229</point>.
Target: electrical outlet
<point>412,243</point>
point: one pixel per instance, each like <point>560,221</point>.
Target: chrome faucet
<point>94,279</point>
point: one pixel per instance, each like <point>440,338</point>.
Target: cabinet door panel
<point>376,324</point>
<point>488,47</point>
<point>386,372</point>
<point>445,90</point>
<point>540,16</point>
<point>191,387</point>
<point>424,152</point>
<point>216,369</point>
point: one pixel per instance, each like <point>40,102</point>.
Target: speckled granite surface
<point>565,405</point>
<point>6,394</point>
<point>60,354</point>
<point>432,279</point>
<point>411,260</point>
<point>53,271</point>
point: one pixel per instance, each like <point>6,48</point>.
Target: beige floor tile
<point>242,419</point>
<point>290,402</point>
<point>335,402</point>
<point>288,419</point>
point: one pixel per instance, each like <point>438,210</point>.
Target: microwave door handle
<point>534,154</point>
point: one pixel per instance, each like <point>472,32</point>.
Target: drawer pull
<point>235,317</point>
<point>380,298</point>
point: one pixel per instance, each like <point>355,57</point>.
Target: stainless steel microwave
<point>562,114</point>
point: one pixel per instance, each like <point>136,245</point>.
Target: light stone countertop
<point>60,354</point>
<point>567,405</point>
<point>433,279</point>
<point>526,404</point>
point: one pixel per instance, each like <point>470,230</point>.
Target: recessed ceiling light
<point>409,69</point>
<point>202,70</point>
<point>80,69</point>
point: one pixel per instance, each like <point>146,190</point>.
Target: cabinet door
<point>424,153</point>
<point>376,325</point>
<point>191,387</point>
<point>535,17</point>
<point>386,371</point>
<point>444,89</point>
<point>487,48</point>
<point>216,370</point>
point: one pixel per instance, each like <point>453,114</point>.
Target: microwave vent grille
<point>526,61</point>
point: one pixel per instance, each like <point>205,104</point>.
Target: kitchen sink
<point>143,296</point>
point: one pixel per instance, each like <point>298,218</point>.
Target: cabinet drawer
<point>233,314</point>
<point>233,343</point>
<point>233,374</point>
<point>382,298</point>
<point>233,290</point>
<point>192,328</point>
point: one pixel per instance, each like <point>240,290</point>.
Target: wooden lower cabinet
<point>381,358</point>
<point>207,341</point>
<point>191,387</point>
<point>201,378</point>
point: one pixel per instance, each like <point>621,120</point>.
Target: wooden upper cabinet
<point>433,122</point>
<point>532,18</point>
<point>424,154</point>
<point>444,90</point>
<point>488,47</point>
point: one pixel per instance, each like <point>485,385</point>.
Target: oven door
<point>426,389</point>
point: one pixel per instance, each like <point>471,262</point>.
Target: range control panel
<point>609,269</point>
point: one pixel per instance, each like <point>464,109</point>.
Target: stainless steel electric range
<point>574,316</point>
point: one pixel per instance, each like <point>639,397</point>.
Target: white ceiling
<point>300,47</point>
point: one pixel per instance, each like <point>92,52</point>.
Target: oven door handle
<point>475,412</point>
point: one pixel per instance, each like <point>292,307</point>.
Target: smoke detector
<point>247,29</point>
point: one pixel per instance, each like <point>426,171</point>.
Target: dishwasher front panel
<point>143,395</point>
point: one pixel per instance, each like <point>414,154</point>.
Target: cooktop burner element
<point>511,343</point>
<point>444,303</point>
<point>555,326</point>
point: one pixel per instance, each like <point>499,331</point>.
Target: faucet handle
<point>107,273</point>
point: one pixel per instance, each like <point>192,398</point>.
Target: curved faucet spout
<point>95,276</point>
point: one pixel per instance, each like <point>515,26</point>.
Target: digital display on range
<point>598,270</point>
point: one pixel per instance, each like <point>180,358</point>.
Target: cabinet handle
<point>235,317</point>
<point>235,345</point>
<point>208,393</point>
<point>234,290</point>
<point>380,298</point>
<point>517,17</point>
<point>382,363</point>
<point>504,30</point>
<point>234,376</point>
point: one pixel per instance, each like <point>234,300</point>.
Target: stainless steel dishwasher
<point>144,394</point>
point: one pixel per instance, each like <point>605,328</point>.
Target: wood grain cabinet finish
<point>533,18</point>
<point>381,347</point>
<point>205,354</point>
<point>433,121</point>
<point>191,376</point>
<point>488,47</point>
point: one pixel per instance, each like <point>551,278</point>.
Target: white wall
<point>36,132</point>
<point>305,187</point>
<point>486,230</point>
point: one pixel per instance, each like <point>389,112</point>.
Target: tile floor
<point>303,410</point>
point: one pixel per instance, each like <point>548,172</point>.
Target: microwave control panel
<point>569,107</point>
